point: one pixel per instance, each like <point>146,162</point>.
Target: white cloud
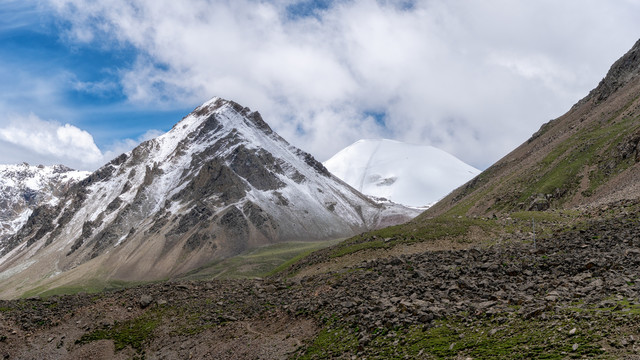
<point>99,88</point>
<point>16,14</point>
<point>31,139</point>
<point>475,78</point>
<point>52,141</point>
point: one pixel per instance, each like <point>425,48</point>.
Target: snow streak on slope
<point>24,187</point>
<point>413,175</point>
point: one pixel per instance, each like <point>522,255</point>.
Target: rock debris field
<point>576,294</point>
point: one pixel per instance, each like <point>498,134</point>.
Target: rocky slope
<point>413,175</point>
<point>588,156</point>
<point>572,295</point>
<point>23,188</point>
<point>220,182</point>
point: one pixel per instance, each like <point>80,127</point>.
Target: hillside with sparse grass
<point>588,156</point>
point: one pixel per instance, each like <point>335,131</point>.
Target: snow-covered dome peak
<point>409,174</point>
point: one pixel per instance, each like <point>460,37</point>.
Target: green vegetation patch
<point>352,248</point>
<point>612,306</point>
<point>131,333</point>
<point>467,198</point>
<point>561,169</point>
<point>517,340</point>
<point>304,253</point>
<point>261,262</point>
<point>191,320</point>
<point>91,286</point>
<point>492,338</point>
<point>440,228</point>
<point>331,342</point>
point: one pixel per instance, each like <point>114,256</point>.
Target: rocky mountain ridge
<point>24,187</point>
<point>219,183</point>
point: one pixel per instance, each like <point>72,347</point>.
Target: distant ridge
<point>25,187</point>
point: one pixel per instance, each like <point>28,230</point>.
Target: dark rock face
<point>234,222</point>
<point>280,199</point>
<point>24,188</point>
<point>621,72</point>
<point>214,178</point>
<point>627,149</point>
<point>257,167</point>
<point>99,175</point>
<point>236,227</point>
<point>114,204</point>
<point>255,214</point>
<point>311,161</point>
<point>210,126</point>
<point>198,241</point>
<point>197,215</point>
<point>540,203</point>
<point>261,220</point>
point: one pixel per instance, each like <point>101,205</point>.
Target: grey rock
<point>145,301</point>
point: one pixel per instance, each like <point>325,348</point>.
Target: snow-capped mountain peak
<point>220,182</point>
<point>413,175</point>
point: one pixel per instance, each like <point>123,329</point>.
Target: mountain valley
<point>536,257</point>
<point>220,183</point>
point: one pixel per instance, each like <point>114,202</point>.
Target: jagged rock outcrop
<point>622,72</point>
<point>23,188</point>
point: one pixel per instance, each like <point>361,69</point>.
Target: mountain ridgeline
<point>219,183</point>
<point>588,156</point>
<point>24,187</point>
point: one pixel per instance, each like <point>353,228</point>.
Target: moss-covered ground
<point>599,334</point>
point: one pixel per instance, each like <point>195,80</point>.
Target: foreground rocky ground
<point>573,294</point>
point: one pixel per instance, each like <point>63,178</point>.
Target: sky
<point>83,81</point>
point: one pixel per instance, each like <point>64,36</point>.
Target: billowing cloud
<point>31,139</point>
<point>475,78</point>
<point>57,142</point>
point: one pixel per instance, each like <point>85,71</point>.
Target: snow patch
<point>413,175</point>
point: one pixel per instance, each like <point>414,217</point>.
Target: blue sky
<point>85,80</point>
<point>50,76</point>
